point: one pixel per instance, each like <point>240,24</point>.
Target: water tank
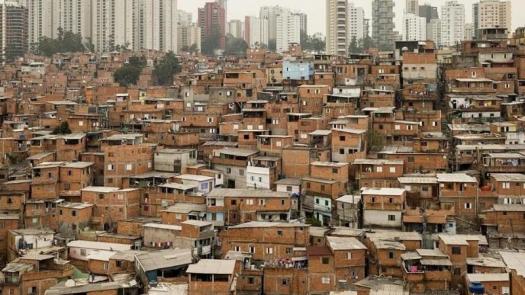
<point>476,288</point>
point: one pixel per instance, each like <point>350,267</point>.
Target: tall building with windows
<point>212,23</point>
<point>337,27</point>
<point>469,31</point>
<point>188,35</point>
<point>270,13</point>
<point>159,25</point>
<point>184,18</point>
<point>412,7</point>
<point>13,30</point>
<point>236,28</point>
<point>492,14</point>
<point>304,22</point>
<point>434,30</point>
<point>72,16</point>
<point>117,23</point>
<point>255,31</point>
<point>224,5</point>
<point>288,26</point>
<point>414,27</point>
<point>452,23</point>
<point>40,20</point>
<point>356,22</point>
<point>383,24</point>
<point>429,12</point>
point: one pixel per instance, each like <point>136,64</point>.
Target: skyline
<point>317,7</point>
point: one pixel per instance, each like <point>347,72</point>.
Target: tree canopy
<point>359,46</point>
<point>166,68</point>
<point>312,43</point>
<point>235,46</point>
<point>65,42</point>
<point>63,128</point>
<point>129,73</point>
<point>211,43</point>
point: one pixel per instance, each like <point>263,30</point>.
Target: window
<point>468,205</point>
<point>325,260</point>
<point>456,250</point>
<point>391,255</point>
<point>249,201</point>
<point>236,248</point>
<point>279,232</point>
<point>288,188</point>
<point>73,213</point>
<point>269,250</point>
<point>342,138</point>
<point>228,170</point>
<point>379,169</point>
<point>289,250</point>
<point>392,169</point>
<point>111,167</point>
<point>251,249</point>
<point>82,252</point>
<point>506,185</point>
<point>334,170</point>
<point>251,280</point>
<point>325,280</point>
<point>284,282</point>
<point>241,172</point>
<point>349,255</point>
<point>262,202</point>
<point>391,218</point>
<point>341,151</point>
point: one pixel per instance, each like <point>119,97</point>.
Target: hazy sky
<point>315,9</point>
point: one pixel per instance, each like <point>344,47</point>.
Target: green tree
<point>191,49</point>
<point>313,43</point>
<point>212,43</point>
<point>367,42</point>
<point>354,46</point>
<point>65,42</point>
<point>235,46</point>
<point>166,68</point>
<point>129,73</point>
<point>376,141</point>
<point>63,128</point>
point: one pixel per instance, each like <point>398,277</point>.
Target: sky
<point>238,9</point>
